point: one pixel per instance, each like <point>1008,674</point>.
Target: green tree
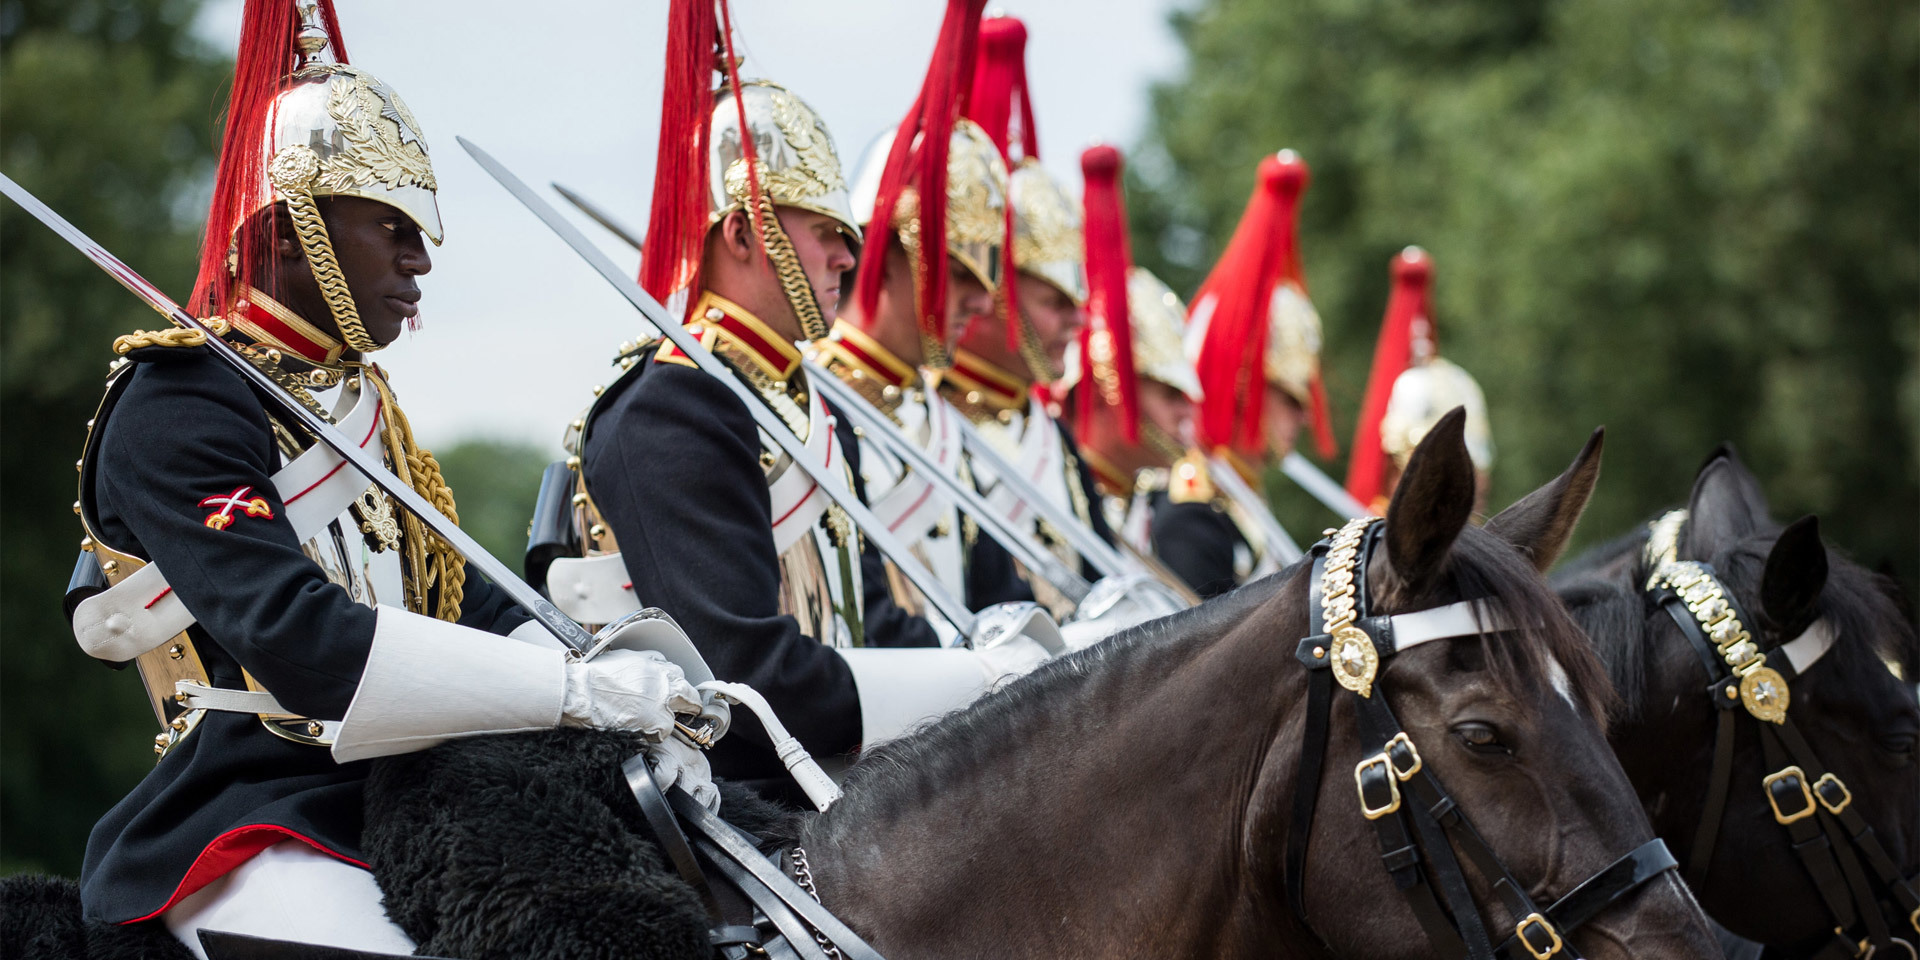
<point>108,116</point>
<point>1688,220</point>
<point>494,483</point>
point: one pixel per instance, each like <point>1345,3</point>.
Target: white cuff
<point>428,681</point>
<point>902,688</point>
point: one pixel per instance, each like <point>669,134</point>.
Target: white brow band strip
<point>1806,649</point>
<point>1464,619</point>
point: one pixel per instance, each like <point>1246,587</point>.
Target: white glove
<point>675,761</point>
<point>1013,656</point>
<point>628,690</point>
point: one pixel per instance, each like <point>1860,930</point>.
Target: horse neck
<point>1122,788</point>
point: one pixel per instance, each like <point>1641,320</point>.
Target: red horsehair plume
<point>999,88</point>
<point>266,57</point>
<point>918,158</point>
<point>1234,305</point>
<point>1393,353</point>
<point>1108,262</point>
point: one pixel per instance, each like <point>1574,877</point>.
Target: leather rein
<point>1417,822</point>
<point>1834,843</point>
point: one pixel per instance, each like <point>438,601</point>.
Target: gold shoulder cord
<point>170,337</point>
<point>430,560</point>
<point>1355,661</point>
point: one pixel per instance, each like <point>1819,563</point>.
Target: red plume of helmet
<point>1108,262</point>
<point>267,56</point>
<point>1407,306</point>
<point>677,220</point>
<point>1234,302</point>
<point>918,158</point>
<point>999,99</point>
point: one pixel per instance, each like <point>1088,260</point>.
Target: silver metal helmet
<point>1293,342</point>
<point>976,198</point>
<point>1047,241</point>
<point>1422,394</point>
<point>796,162</point>
<point>1159,322</point>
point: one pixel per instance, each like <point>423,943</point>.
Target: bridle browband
<point>1410,810</point>
<point>1830,837</point>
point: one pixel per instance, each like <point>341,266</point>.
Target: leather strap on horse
<point>733,846</point>
<point>1828,835</point>
<point>1393,773</point>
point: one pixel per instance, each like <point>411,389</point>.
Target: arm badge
<point>223,517</point>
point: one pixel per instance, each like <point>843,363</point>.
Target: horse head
<point>1508,721</point>
<point>1837,630</point>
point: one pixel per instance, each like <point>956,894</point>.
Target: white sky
<point>517,327</point>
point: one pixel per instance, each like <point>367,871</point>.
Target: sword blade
<point>613,225</point>
<point>1323,488</point>
<point>1279,542</point>
<point>876,426</point>
<point>1079,536</point>
<point>370,465</point>
<point>769,423</point>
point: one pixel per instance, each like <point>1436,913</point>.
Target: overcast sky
<point>517,328</point>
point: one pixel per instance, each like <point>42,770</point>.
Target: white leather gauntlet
<point>635,690</point>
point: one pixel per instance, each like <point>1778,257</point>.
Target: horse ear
<point>1726,506</point>
<point>1796,573</point>
<point>1542,522</point>
<point>1431,505</point>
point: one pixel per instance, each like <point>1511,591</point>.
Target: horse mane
<point>1606,598</point>
<point>910,772</point>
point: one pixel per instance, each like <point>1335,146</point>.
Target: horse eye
<point>1900,745</point>
<point>1480,737</point>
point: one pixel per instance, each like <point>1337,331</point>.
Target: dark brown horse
<point>1857,715</point>
<point>1133,800</point>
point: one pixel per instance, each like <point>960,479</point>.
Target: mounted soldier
<point>678,498</point>
<point>890,343</point>
<point>288,621</point>
<point>1038,312</point>
<point>1410,389</point>
<point>1255,340</point>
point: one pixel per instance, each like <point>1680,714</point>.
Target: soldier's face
<point>968,302</point>
<point>825,254</point>
<point>1168,410</point>
<point>1281,419</point>
<point>381,251</point>
<point>1055,317</point>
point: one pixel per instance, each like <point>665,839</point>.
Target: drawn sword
<point>1088,545</point>
<point>1280,545</point>
<point>1323,488</point>
<point>770,424</point>
<point>370,465</point>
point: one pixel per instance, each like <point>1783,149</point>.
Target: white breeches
<point>290,891</point>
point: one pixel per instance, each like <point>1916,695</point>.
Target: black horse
<point>1132,800</point>
<point>1851,707</point>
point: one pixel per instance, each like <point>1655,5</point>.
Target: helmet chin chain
<point>786,267</point>
<point>292,172</point>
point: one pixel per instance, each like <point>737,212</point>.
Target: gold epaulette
<point>1190,482</point>
<point>170,337</point>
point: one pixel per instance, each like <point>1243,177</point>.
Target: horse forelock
<point>1546,644</point>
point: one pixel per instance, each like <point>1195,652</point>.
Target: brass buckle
<point>1393,786</point>
<point>1800,777</point>
<point>1402,739</point>
<point>699,737</point>
<point>1536,920</point>
<point>1819,793</point>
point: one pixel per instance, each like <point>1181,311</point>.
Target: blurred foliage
<point>1688,220</point>
<point>494,483</point>
<point>108,115</point>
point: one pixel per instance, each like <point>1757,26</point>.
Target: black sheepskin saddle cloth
<point>530,847</point>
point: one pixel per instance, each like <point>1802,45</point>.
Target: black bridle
<point>1834,843</point>
<point>1417,822</point>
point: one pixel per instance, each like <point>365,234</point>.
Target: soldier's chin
<point>383,325</point>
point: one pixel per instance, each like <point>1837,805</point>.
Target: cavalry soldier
<point>1255,339</point>
<point>1410,389</point>
<point>681,504</point>
<point>884,344</point>
<point>1038,312</point>
<point>288,623</point>
<point>1133,389</point>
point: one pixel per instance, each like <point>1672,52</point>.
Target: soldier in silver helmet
<point>289,623</point>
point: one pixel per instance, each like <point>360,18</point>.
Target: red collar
<point>993,386</point>
<point>269,323</point>
<point>719,320</point>
<point>852,346</point>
